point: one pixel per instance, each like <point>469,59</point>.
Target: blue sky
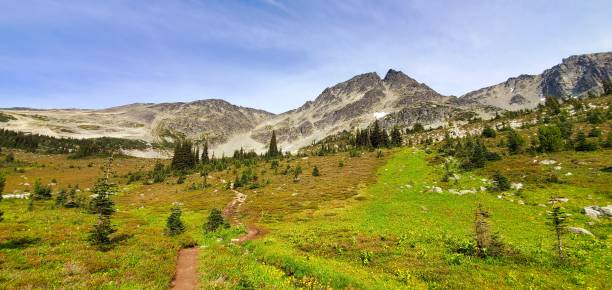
<point>273,54</point>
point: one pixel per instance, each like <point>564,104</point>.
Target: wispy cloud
<point>274,54</point>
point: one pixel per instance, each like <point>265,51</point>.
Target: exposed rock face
<point>576,76</point>
<point>397,99</point>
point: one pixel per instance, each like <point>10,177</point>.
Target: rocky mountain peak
<point>396,78</point>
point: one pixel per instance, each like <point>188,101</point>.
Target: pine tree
<point>376,135</point>
<point>396,137</point>
<point>61,198</point>
<point>215,221</point>
<point>205,159</point>
<point>515,142</point>
<point>501,182</point>
<point>2,183</point>
<point>41,191</point>
<point>488,132</point>
<point>550,139</point>
<point>558,222</point>
<point>315,171</point>
<point>174,224</point>
<point>102,205</point>
<point>273,149</point>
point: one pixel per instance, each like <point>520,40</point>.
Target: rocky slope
<point>215,120</point>
<point>396,100</point>
<point>576,76</point>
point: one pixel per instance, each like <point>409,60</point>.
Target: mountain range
<point>395,100</point>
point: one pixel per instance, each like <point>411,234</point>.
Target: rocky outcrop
<point>575,76</point>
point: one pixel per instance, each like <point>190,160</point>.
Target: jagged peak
<point>398,77</point>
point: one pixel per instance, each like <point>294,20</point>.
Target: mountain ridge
<point>395,100</point>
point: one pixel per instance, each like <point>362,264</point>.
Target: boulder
<point>579,231</point>
<point>597,212</point>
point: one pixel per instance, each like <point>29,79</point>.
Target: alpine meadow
<point>115,174</point>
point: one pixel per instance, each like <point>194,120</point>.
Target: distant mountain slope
<point>216,120</point>
<point>396,100</point>
<point>575,76</point>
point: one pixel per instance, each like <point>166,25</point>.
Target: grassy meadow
<point>369,220</point>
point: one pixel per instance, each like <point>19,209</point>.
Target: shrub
<point>595,132</point>
<point>596,116</point>
<point>550,139</point>
<point>174,224</point>
<point>582,144</point>
<point>488,132</point>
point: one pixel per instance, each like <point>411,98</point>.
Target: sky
<point>275,55</point>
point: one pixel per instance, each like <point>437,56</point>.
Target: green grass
<point>409,235</point>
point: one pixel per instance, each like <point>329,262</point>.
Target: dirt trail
<point>186,276</point>
<point>231,212</point>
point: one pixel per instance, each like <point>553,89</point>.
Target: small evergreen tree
<point>550,139</point>
<point>489,132</point>
<point>515,142</point>
<point>376,136</point>
<point>205,159</point>
<point>174,224</point>
<point>41,191</point>
<point>2,183</point>
<point>582,144</point>
<point>418,128</point>
<point>215,221</point>
<point>103,206</point>
<point>552,105</point>
<point>315,171</point>
<point>396,137</point>
<point>204,174</point>
<point>558,223</point>
<point>296,173</point>
<point>501,182</point>
<point>273,147</point>
<point>61,198</point>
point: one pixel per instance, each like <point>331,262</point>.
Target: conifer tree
<point>272,148</point>
<point>488,132</point>
<point>550,139</point>
<point>315,171</point>
<point>174,224</point>
<point>376,135</point>
<point>396,137</point>
<point>61,198</point>
<point>103,206</point>
<point>501,182</point>
<point>41,191</point>
<point>205,159</point>
<point>558,223</point>
<point>2,183</point>
<point>515,142</point>
<point>215,221</point>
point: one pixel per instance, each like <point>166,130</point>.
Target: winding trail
<point>231,213</point>
<point>186,276</point>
